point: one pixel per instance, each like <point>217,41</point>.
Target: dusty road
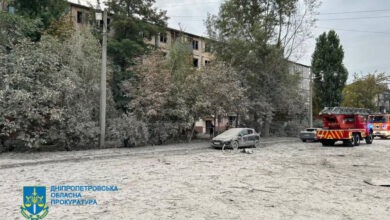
<point>282,181</point>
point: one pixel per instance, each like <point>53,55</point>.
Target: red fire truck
<point>349,125</point>
<point>380,124</point>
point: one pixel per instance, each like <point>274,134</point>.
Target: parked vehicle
<point>237,137</point>
<point>309,134</point>
<point>380,124</point>
<point>349,125</point>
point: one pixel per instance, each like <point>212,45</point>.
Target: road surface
<point>285,180</point>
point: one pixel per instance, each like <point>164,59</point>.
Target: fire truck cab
<point>380,124</point>
<point>349,125</point>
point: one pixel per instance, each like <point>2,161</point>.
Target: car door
<point>255,137</point>
<point>243,138</point>
<point>250,138</point>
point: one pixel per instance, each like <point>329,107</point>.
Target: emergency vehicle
<point>380,124</point>
<point>349,125</point>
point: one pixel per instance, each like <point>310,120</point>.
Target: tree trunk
<point>266,128</point>
<point>192,132</point>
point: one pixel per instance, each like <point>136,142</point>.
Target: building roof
<point>299,64</point>
<point>344,111</point>
<point>89,3</point>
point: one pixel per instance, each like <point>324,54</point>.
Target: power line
<point>354,18</point>
<point>197,18</point>
<point>354,12</point>
<point>327,13</point>
<point>361,31</point>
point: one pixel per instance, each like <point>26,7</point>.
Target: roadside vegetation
<point>50,74</point>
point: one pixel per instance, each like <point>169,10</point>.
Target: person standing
<point>212,130</point>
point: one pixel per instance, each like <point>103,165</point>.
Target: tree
<point>156,99</point>
<point>133,23</point>
<point>45,10</point>
<point>330,74</point>
<point>49,90</point>
<point>63,28</point>
<point>363,91</point>
<point>214,90</point>
<point>253,36</point>
<point>15,29</point>
<point>170,95</point>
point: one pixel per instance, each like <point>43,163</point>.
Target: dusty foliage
<point>130,131</point>
<point>170,95</point>
<point>156,100</point>
<point>258,43</point>
<point>50,91</point>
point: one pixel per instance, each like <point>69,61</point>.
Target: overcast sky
<point>364,36</point>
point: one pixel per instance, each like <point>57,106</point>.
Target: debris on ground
<point>247,151</point>
<point>164,161</point>
<point>378,182</point>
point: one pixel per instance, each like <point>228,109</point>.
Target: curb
<point>179,151</point>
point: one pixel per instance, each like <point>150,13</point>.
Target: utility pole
<point>103,82</point>
<point>311,99</point>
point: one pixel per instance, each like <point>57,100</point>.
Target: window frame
<point>163,38</point>
<point>197,62</point>
<point>195,44</point>
<point>79,17</point>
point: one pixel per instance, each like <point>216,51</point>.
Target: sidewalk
<point>10,160</point>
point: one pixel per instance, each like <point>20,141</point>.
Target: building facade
<point>383,102</point>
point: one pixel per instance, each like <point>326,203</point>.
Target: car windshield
<point>231,132</point>
<point>378,119</point>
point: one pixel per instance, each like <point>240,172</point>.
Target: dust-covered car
<point>237,137</point>
<point>309,134</point>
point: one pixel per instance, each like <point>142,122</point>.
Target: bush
<point>49,92</point>
<point>162,132</point>
<point>277,129</point>
<point>128,130</point>
<point>293,128</point>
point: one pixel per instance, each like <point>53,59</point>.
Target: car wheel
<point>303,140</point>
<point>369,139</point>
<point>235,145</point>
<point>356,140</point>
<point>257,144</point>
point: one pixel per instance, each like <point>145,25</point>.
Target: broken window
<point>206,62</point>
<point>79,17</point>
<point>163,37</point>
<point>195,44</point>
<point>231,119</point>
<point>196,62</point>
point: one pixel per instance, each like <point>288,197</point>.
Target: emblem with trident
<point>34,199</point>
<point>34,202</point>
